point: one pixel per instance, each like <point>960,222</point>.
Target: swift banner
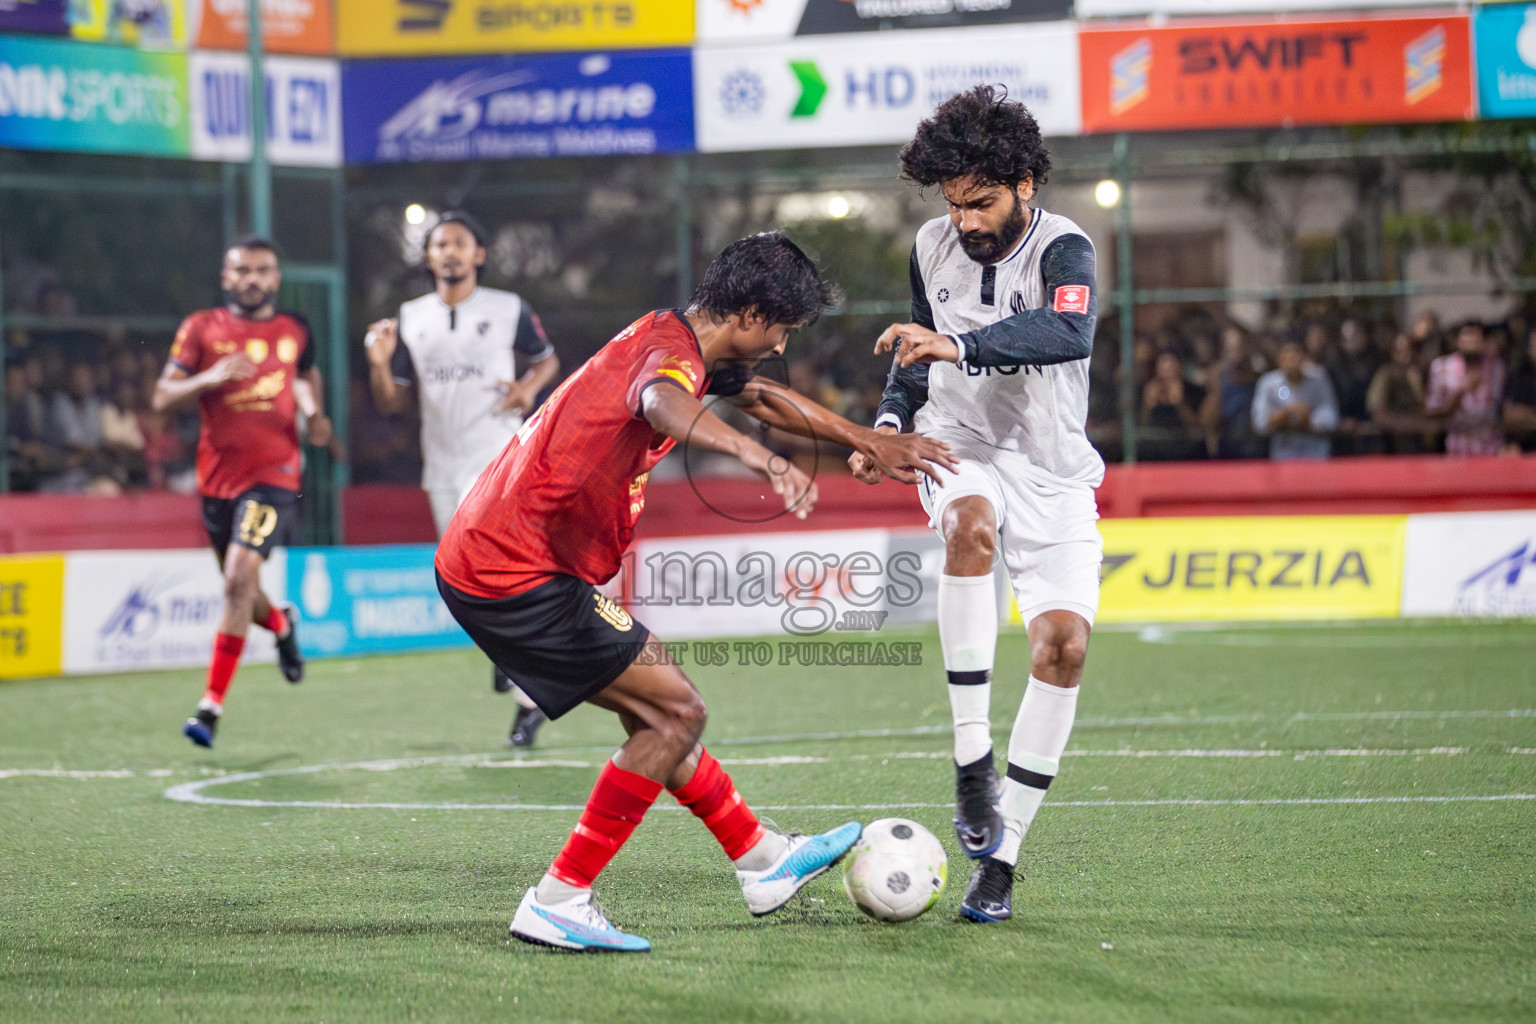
<point>489,108</point>
<point>369,28</point>
<point>94,99</point>
<point>31,610</point>
<point>1293,567</point>
<point>287,26</point>
<point>870,89</point>
<point>764,21</point>
<point>1506,60</point>
<point>303,109</point>
<point>1274,73</point>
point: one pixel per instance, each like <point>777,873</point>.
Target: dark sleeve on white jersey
<point>906,389</point>
<point>401,367</point>
<point>529,339</point>
<point>1041,337</point>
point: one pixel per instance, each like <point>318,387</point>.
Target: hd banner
<point>1218,8</point>
<point>491,108</point>
<point>1506,60</point>
<point>1272,73</point>
<point>93,99</point>
<point>765,21</point>
<point>380,28</point>
<point>874,88</point>
<point>303,109</point>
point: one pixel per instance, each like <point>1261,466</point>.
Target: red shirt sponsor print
<point>1070,298</point>
<point>248,436</point>
<point>563,497</point>
<point>1262,73</point>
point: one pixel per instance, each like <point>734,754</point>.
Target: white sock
<point>523,700</point>
<point>1034,755</point>
<point>552,890</point>
<point>761,857</point>
<point>207,705</point>
<point>968,636</point>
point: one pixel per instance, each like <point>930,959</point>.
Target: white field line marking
<point>1297,755</point>
<point>60,773</point>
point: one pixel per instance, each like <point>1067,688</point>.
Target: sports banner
<point>1277,73</point>
<point>31,609</point>
<point>47,17</point>
<point>94,99</point>
<point>599,104</point>
<point>1506,60</point>
<point>875,88</point>
<point>151,609</point>
<point>287,26</point>
<point>369,600</point>
<point>303,109</point>
<point>1217,8</point>
<point>152,24</point>
<point>379,28</point>
<point>1474,564</point>
<point>1224,569</point>
<point>765,21</point>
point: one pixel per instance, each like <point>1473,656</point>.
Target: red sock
<point>618,802</point>
<point>712,797</point>
<point>276,621</point>
<point>226,658</point>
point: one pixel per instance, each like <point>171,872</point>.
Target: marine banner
<point>397,28</point>
<point>31,609</point>
<point>1471,564</point>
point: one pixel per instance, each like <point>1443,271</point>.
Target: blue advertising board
<point>369,600</point>
<point>50,17</point>
<point>487,108</point>
<point>1506,60</point>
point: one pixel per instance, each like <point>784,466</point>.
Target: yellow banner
<point>158,25</point>
<point>414,27</point>
<point>1226,569</point>
<point>31,616</point>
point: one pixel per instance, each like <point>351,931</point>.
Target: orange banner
<point>287,26</point>
<point>1233,74</point>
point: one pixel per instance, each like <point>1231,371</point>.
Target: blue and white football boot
<point>803,859</point>
<point>577,923</point>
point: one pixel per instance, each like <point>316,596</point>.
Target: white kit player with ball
<point>995,364</point>
<point>457,348</point>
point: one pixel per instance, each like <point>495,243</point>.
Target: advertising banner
<point>480,108</point>
<point>381,28</point>
<point>1227,569</point>
<point>1475,564</point>
<point>765,21</point>
<point>1506,60</point>
<point>1217,8</point>
<point>31,610</point>
<point>152,24</point>
<point>95,99</point>
<point>1277,73</point>
<point>303,109</point>
<point>287,26</point>
<point>151,609</point>
<point>870,89</point>
<point>369,600</point>
<point>49,17</point>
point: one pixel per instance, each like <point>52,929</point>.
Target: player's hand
<point>915,343</point>
<point>793,486</point>
<point>379,343</point>
<point>517,397</point>
<point>233,367</point>
<point>895,455</point>
<point>320,430</point>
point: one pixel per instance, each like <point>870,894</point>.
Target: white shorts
<point>1048,537</point>
<point>446,503</point>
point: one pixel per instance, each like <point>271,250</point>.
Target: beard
<point>988,246</point>
<point>248,300</point>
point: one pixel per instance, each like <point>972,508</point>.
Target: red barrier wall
<point>378,514</point>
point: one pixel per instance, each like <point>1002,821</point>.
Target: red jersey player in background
<point>550,519</point>
<point>250,368</point>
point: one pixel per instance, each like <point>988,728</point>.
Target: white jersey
<point>458,358</point>
<point>1037,411</point>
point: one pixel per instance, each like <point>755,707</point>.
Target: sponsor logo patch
<point>1071,298</point>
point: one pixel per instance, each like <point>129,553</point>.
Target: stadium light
<point>415,214</point>
<point>838,208</point>
<point>1107,194</point>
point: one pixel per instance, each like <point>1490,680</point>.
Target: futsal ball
<point>896,870</point>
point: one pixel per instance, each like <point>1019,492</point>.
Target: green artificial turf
<point>118,904</point>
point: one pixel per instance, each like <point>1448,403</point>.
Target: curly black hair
<point>978,132</point>
<point>766,276</point>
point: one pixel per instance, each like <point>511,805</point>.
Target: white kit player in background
<point>462,343</point>
<point>995,364</point>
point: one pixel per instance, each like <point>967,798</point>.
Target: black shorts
<point>259,519</point>
<point>561,642</point>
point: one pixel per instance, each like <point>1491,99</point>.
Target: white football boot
<point>577,923</point>
<point>803,859</point>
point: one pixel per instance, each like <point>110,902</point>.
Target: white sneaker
<point>577,923</point>
<point>803,859</point>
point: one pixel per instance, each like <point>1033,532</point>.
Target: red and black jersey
<point>249,436</point>
<point>564,495</point>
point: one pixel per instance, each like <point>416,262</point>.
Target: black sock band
<point>969,678</point>
<point>1025,777</point>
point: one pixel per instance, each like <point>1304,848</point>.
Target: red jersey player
<point>249,367</point>
<point>549,520</point>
